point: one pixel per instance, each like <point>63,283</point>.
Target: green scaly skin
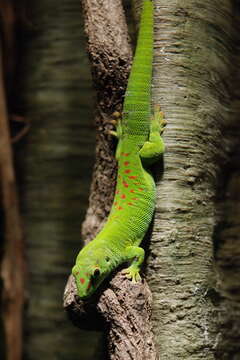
<point>139,146</point>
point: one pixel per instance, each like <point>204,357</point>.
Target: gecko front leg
<point>136,255</point>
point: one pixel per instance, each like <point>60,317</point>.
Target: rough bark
<point>13,264</point>
<point>126,308</point>
<point>110,55</point>
<point>193,43</point>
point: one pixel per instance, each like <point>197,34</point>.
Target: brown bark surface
<point>110,55</point>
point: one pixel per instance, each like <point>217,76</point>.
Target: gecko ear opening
<point>96,273</point>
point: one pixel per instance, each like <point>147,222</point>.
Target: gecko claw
<point>116,115</point>
<point>112,133</point>
<point>113,122</point>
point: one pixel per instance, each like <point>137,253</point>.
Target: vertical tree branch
<point>13,267</point>
<point>125,307</point>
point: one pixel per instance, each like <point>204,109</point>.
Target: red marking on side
<point>82,280</point>
<point>140,189</point>
<point>134,198</point>
<point>127,171</point>
<point>132,177</point>
<point>126,163</point>
<point>125,184</point>
<point>125,154</point>
<point>123,196</point>
<point>115,203</point>
<point>132,191</point>
<point>130,203</point>
<point>89,285</point>
<point>120,208</point>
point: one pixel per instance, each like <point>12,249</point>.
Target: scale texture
<point>139,146</point>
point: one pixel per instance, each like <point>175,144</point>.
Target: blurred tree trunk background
<point>56,164</point>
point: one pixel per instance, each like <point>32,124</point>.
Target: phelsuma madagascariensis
<point>139,145</point>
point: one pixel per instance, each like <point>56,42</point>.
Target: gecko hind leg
<point>116,122</point>
<point>153,149</point>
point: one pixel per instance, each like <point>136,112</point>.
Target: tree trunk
<point>192,68</point>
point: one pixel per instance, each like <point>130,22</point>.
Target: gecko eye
<point>107,259</point>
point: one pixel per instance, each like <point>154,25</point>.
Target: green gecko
<point>139,146</point>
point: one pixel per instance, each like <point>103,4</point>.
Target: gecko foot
<point>132,273</point>
<point>158,121</point>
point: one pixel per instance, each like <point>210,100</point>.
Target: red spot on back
<point>130,203</point>
<point>125,154</point>
<point>82,280</point>
<point>132,177</point>
<point>115,203</point>
<point>89,285</point>
<point>140,189</point>
<point>120,208</point>
<point>125,184</point>
<point>126,163</point>
<point>134,198</point>
<point>127,171</point>
<point>132,191</point>
<point>123,196</point>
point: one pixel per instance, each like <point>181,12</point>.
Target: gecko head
<point>90,273</point>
